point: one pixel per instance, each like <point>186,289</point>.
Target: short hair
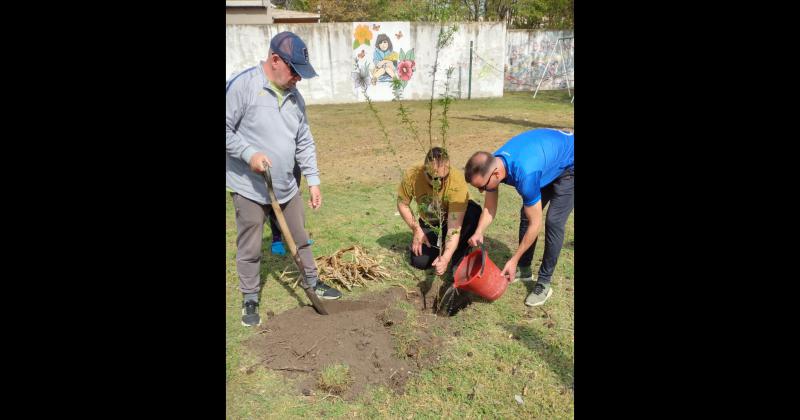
<point>436,155</point>
<point>381,38</point>
<point>479,163</point>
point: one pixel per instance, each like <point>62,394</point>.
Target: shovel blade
<point>315,301</point>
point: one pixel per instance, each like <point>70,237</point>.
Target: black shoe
<point>250,314</point>
<point>326,292</point>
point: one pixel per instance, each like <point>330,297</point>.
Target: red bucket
<point>477,274</point>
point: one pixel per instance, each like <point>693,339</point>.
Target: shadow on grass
<point>399,243</point>
<point>505,120</point>
<point>273,265</point>
<point>559,362</point>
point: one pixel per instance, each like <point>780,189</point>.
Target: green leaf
<point>410,54</point>
<point>402,55</point>
<point>397,84</point>
<point>355,44</point>
<point>366,42</point>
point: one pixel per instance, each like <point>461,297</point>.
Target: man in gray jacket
<point>266,124</point>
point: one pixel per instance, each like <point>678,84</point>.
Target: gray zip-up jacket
<point>256,122</point>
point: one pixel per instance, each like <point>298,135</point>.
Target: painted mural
<point>383,59</point>
<point>528,59</point>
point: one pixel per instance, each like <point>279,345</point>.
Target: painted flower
<point>363,34</point>
<point>361,77</point>
<point>405,69</point>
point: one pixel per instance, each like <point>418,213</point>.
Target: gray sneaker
<point>523,274</point>
<point>250,314</point>
<point>539,295</point>
<point>326,292</point>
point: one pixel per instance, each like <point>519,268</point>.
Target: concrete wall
<point>335,55</point>
<point>247,16</point>
<point>527,57</point>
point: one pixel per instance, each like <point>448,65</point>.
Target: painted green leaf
<point>355,44</point>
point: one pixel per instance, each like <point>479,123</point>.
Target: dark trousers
<point>468,226</point>
<point>560,195</point>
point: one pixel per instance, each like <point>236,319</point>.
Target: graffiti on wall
<point>383,59</point>
<point>545,59</point>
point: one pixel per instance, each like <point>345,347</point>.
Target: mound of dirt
<point>363,334</point>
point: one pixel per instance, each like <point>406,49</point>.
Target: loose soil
<point>363,334</point>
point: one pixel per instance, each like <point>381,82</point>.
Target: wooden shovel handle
<point>276,208</point>
<point>287,236</point>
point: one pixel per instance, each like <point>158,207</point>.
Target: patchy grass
<point>406,333</point>
<point>351,148</point>
<point>335,378</point>
<point>490,352</point>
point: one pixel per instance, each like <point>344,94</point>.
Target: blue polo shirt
<point>534,159</point>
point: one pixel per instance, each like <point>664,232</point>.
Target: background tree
<point>518,14</point>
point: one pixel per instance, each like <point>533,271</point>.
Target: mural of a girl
<point>385,60</point>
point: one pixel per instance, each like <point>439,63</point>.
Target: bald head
<point>479,164</point>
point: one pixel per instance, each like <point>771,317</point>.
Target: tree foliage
<point>518,14</point>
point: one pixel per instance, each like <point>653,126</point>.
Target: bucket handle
<point>483,262</point>
<point>483,259</point>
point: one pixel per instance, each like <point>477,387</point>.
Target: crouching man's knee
<point>420,261</point>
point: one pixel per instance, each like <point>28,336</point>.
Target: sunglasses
<point>291,69</point>
<point>489,179</point>
<point>436,178</point>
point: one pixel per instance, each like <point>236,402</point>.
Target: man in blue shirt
<point>539,164</point>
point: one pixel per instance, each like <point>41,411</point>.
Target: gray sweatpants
<point>250,217</point>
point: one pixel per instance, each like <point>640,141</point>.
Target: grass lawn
<point>500,349</point>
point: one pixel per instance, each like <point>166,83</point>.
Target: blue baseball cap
<point>291,48</point>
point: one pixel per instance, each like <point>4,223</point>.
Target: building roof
<point>246,3</point>
<point>293,14</point>
<point>285,16</point>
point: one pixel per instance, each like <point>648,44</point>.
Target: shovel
<point>287,236</point>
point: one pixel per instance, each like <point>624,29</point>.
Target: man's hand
<point>316,197</point>
<point>256,164</point>
<point>475,239</point>
<point>419,239</point>
<point>440,264</point>
<point>510,269</point>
